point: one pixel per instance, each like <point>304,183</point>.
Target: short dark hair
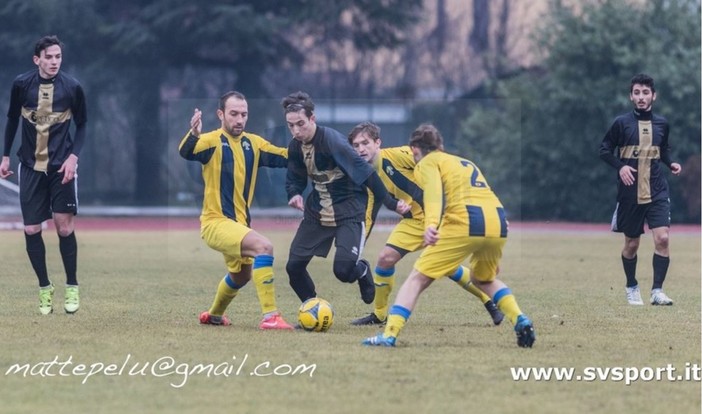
<point>45,42</point>
<point>427,138</point>
<point>224,98</point>
<point>642,79</point>
<point>296,102</point>
<point>371,129</point>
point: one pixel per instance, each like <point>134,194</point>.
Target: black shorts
<point>629,218</point>
<point>313,239</point>
<point>42,194</point>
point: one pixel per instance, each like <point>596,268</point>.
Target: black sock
<point>630,271</point>
<point>300,280</point>
<point>37,256</point>
<point>660,270</point>
<point>361,269</point>
<point>69,253</point>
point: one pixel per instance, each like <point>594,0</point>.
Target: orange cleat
<point>207,319</point>
<point>274,321</point>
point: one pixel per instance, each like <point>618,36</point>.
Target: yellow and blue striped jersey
<point>229,169</point>
<point>395,166</point>
<point>455,192</point>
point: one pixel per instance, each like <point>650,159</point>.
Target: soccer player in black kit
<point>45,101</point>
<point>641,139</point>
<point>336,207</point>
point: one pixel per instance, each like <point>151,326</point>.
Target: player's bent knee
<point>294,268</point>
<point>344,271</point>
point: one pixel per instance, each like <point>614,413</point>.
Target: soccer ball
<point>315,314</point>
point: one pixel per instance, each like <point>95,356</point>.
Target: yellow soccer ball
<point>315,314</point>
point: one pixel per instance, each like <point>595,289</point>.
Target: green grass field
<point>141,293</point>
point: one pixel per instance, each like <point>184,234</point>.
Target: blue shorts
<point>629,218</point>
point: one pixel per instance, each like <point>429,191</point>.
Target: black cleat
<point>366,285</point>
<point>495,313</point>
<point>368,320</point>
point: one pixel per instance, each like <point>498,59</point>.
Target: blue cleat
<point>380,340</point>
<point>525,332</point>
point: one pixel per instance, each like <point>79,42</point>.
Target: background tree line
<point>527,91</point>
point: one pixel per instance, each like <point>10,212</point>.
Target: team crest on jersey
<point>354,250</point>
<point>246,146</point>
<point>389,170</point>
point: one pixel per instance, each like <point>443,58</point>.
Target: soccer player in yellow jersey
<point>462,219</point>
<point>230,159</point>
<point>395,166</point>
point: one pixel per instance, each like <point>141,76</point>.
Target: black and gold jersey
<point>639,140</point>
<point>46,107</point>
<point>337,173</point>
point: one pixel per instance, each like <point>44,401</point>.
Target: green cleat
<point>46,299</point>
<point>72,301</point>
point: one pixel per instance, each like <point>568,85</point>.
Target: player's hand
<point>676,168</point>
<point>297,203</point>
<point>68,168</point>
<point>402,207</point>
<point>431,236</point>
<point>196,122</point>
<point>626,173</point>
<point>5,168</point>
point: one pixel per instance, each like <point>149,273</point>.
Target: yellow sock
<point>226,291</point>
<point>396,320</point>
<point>263,279</point>
<point>384,280</point>
<point>507,303</point>
<point>470,287</point>
<point>462,277</point>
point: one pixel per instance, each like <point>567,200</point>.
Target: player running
<point>463,218</point>
<point>395,166</point>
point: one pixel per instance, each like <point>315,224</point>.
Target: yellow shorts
<point>408,235</point>
<point>225,236</point>
<point>454,246</point>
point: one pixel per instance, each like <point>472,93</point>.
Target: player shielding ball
<point>335,209</point>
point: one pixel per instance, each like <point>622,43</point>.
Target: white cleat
<point>660,298</point>
<point>633,295</point>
